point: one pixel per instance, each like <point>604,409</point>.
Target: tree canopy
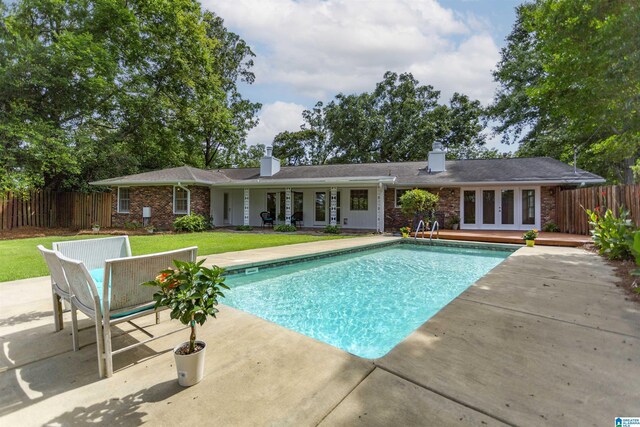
<point>569,84</point>
<point>398,121</point>
<point>90,89</point>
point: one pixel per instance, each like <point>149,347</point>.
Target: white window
<point>123,200</point>
<point>359,200</point>
<point>399,193</point>
<point>181,200</point>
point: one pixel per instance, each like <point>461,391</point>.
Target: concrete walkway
<point>545,338</point>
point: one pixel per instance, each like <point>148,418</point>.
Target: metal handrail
<point>420,224</point>
<point>436,226</point>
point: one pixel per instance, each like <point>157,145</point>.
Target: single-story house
<point>493,194</point>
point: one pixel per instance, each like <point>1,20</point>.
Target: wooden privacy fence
<point>52,209</point>
<point>570,203</point>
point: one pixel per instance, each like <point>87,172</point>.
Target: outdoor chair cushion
<point>98,276</point>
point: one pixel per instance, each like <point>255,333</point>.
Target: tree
<point>399,121</point>
<point>569,79</point>
<point>89,90</point>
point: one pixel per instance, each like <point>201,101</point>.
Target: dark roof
<point>458,172</point>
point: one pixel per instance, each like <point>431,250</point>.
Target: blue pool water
<point>363,302</point>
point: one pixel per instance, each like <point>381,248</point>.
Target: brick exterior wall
<point>548,212</point>
<point>160,199</point>
<point>449,205</point>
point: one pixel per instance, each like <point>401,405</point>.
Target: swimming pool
<point>364,302</point>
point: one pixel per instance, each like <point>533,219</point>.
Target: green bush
<point>418,202</point>
<point>284,228</point>
<point>636,253</point>
<point>244,228</point>
<point>612,236</point>
<point>191,223</point>
<point>332,229</point>
<point>551,227</point>
<point>133,225</point>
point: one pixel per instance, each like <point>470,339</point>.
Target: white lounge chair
<point>123,300</point>
<point>59,291</point>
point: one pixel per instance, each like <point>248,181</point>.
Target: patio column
<point>246,207</point>
<point>287,206</point>
<point>380,208</point>
<point>333,207</point>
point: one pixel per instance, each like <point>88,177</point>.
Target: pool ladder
<point>436,226</point>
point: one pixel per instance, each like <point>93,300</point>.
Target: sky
<point>311,50</point>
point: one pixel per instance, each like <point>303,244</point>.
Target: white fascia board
<point>497,183</point>
<point>368,180</point>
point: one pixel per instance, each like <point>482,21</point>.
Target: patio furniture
<point>94,252</point>
<point>296,219</point>
<point>267,218</point>
<point>119,297</point>
<point>59,291</point>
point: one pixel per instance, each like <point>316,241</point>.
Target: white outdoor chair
<point>60,291</point>
<point>124,300</point>
<point>94,252</point>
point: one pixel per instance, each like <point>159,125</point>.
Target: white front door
<point>500,208</point>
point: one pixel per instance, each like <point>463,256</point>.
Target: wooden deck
<point>508,236</point>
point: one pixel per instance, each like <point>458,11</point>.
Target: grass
<point>21,260</point>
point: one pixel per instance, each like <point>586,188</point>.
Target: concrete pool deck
<point>545,338</point>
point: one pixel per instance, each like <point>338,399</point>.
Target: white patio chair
<point>94,252</point>
<point>124,300</point>
<point>60,291</point>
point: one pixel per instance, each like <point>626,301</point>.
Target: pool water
<point>363,302</point>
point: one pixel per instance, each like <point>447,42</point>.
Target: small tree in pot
<point>419,204</point>
<point>191,292</point>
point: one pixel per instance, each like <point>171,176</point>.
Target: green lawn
<point>20,258</point>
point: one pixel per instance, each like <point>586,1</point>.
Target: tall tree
<point>399,121</point>
<point>96,88</point>
<point>569,76</point>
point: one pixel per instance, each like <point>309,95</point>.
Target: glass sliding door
<point>488,206</point>
<point>500,208</point>
<point>507,207</point>
<point>469,207</point>
<point>528,207</point>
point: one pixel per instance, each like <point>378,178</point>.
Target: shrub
<point>191,223</point>
<point>133,225</point>
<point>191,291</point>
<point>284,228</point>
<point>551,227</point>
<point>332,229</point>
<point>418,202</point>
<point>612,236</point>
<point>244,228</point>
<point>636,252</point>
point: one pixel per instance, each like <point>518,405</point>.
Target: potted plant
<point>95,227</point>
<point>455,222</point>
<point>150,228</point>
<point>405,231</point>
<point>191,292</point>
<point>530,237</point>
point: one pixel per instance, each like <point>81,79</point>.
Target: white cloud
<point>275,118</point>
<point>320,48</point>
